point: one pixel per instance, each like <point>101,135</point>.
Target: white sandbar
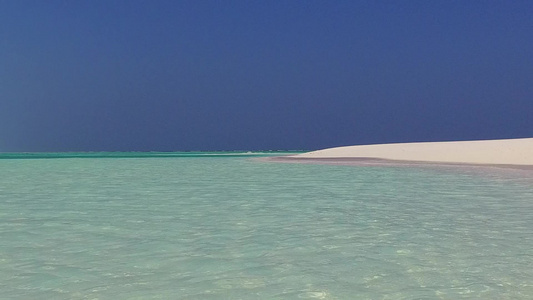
<point>493,152</point>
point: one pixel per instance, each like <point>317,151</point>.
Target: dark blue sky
<point>250,75</point>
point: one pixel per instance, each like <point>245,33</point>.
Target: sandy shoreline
<point>512,153</point>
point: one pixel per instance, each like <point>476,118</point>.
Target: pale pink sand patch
<point>493,152</point>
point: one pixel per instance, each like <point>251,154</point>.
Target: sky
<point>261,75</point>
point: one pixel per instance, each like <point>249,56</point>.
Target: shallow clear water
<point>234,228</point>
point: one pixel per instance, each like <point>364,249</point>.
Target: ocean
<point>231,226</point>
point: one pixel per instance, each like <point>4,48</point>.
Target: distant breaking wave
<point>54,155</point>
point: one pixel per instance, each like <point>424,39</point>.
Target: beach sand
<point>507,152</point>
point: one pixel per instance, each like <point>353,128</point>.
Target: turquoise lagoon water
<point>230,227</point>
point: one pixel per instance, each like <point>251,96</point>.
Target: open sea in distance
<point>230,226</point>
